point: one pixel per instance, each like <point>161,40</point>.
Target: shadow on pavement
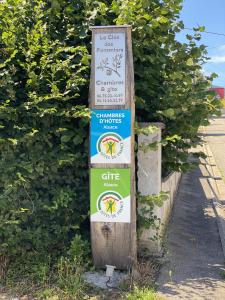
<point>192,245</point>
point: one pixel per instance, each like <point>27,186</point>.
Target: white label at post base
<point>110,68</point>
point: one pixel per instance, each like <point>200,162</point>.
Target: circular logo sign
<point>110,145</point>
<point>110,204</point>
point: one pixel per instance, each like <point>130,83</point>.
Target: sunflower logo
<point>110,204</point>
<point>110,145</point>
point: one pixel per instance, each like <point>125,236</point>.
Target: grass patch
<point>142,294</point>
<point>50,278</point>
<point>63,280</point>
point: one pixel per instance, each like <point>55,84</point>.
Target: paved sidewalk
<point>214,134</point>
<point>195,257</point>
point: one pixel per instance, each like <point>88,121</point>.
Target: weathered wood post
<point>112,162</point>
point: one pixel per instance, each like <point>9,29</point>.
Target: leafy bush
<point>44,123</point>
<point>44,79</point>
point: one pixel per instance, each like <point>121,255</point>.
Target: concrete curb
<point>218,202</point>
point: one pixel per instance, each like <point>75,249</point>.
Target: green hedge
<point>44,79</point>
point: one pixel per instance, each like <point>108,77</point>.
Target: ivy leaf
<point>65,138</point>
<point>201,28</point>
<point>163,20</point>
<point>190,62</point>
<point>168,113</point>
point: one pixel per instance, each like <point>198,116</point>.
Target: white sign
<point>110,68</point>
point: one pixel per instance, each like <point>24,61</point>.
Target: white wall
<point>150,183</point>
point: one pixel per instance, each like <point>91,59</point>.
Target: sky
<point>211,14</point>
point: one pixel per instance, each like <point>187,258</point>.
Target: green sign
<point>110,195</point>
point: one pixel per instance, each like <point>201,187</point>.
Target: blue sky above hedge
<point>211,14</point>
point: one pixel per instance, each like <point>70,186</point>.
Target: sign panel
<point>110,68</point>
<point>110,195</point>
<point>111,136</point>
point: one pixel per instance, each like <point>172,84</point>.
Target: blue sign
<point>111,136</point>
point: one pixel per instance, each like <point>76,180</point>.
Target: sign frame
<point>110,138</point>
<point>109,73</point>
<point>110,195</point>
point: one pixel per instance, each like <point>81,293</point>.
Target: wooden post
<point>112,162</point>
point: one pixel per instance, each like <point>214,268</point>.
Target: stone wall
<point>150,183</point>
<point>169,184</point>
